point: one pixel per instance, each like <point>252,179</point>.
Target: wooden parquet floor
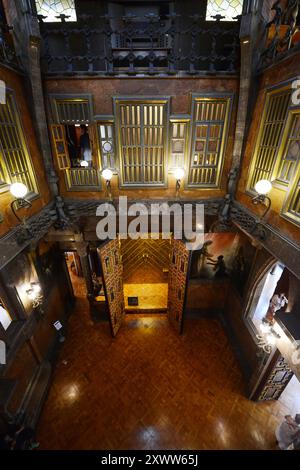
<point>151,389</point>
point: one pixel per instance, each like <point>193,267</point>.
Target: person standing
<point>277,302</point>
<point>287,431</point>
<point>85,145</point>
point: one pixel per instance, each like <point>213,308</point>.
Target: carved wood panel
<point>112,269</point>
<point>178,276</point>
<point>278,379</point>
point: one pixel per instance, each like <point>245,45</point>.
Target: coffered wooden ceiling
<point>145,258</point>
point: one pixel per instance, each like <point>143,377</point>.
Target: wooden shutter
<point>94,145</point>
<point>60,146</point>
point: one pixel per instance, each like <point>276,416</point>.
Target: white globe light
<point>107,174</point>
<point>179,173</point>
<point>263,187</point>
<point>84,163</point>
<point>18,190</point>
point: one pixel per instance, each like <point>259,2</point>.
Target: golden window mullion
<point>264,158</point>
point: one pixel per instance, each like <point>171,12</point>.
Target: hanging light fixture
<point>19,191</point>
<point>179,174</point>
<point>263,187</point>
<point>107,174</point>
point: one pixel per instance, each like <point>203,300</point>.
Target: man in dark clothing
<point>85,146</point>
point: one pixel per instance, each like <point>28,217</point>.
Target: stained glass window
<point>227,8</point>
<point>53,8</point>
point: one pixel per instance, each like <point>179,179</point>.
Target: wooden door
<point>112,273</point>
<point>178,280</point>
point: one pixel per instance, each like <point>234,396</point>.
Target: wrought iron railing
<point>282,33</point>
<point>7,51</point>
<point>149,45</point>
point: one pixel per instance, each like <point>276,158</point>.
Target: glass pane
<point>227,8</point>
<point>53,8</point>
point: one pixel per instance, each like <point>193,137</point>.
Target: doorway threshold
<point>142,311</point>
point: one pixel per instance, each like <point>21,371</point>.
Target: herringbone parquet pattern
<point>149,388</point>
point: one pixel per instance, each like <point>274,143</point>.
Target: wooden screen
<point>112,272</point>
<point>289,154</point>
<point>211,116</point>
<point>72,111</point>
<point>15,162</point>
<point>274,116</point>
<point>178,277</point>
<point>142,142</point>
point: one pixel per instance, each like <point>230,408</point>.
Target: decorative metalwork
<point>142,139</point>
<point>210,126</point>
<point>53,9</point>
<point>229,8</point>
<point>274,115</point>
<point>87,208</point>
<point>148,45</point>
<point>15,162</point>
<point>281,31</point>
<point>7,51</point>
<point>276,243</point>
<point>22,235</point>
<point>277,381</point>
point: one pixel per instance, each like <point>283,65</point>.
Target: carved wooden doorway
<point>178,282</point>
<point>112,272</point>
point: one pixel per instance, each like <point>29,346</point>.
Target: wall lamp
<point>35,294</point>
<point>179,174</point>
<point>19,191</point>
<point>107,174</point>
<point>263,187</point>
<point>267,339</point>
